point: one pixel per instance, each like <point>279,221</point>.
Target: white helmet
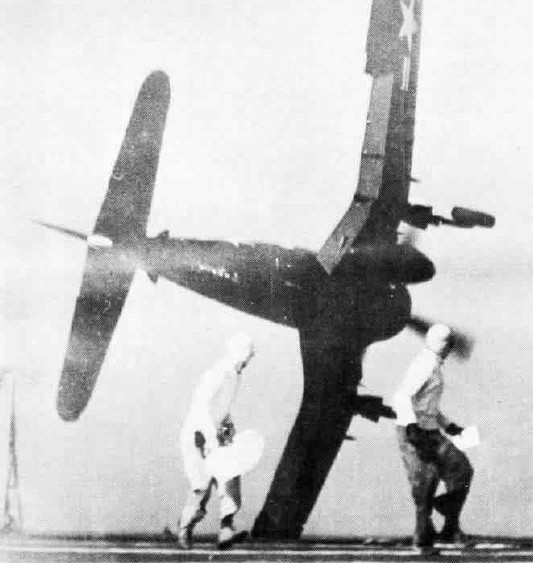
<point>438,338</point>
<point>239,348</point>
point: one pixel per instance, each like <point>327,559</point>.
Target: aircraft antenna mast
<point>12,502</point>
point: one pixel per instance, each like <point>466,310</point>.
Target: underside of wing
<point>102,295</point>
<point>124,212</point>
<point>393,46</point>
<point>332,370</point>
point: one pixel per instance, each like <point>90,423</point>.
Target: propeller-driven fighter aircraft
<point>353,292</point>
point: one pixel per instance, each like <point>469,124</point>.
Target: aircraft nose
<point>388,263</point>
<point>420,268</point>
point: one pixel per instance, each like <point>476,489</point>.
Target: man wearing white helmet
<point>427,454</point>
<point>208,425</point>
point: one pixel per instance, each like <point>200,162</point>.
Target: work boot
<point>450,505</point>
<point>424,545</point>
<point>185,537</point>
<point>425,532</point>
<point>453,537</point>
<point>425,550</point>
<point>226,537</point>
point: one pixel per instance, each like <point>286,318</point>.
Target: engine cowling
<point>387,263</point>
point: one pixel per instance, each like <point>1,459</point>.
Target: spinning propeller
<point>462,343</point>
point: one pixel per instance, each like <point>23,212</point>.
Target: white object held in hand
<point>469,438</point>
<point>237,458</point>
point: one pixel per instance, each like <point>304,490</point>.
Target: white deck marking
<point>403,553</point>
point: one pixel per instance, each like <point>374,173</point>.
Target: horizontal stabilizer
<point>121,224</point>
<point>124,212</point>
<point>102,295</point>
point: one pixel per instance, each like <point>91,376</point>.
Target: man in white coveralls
<point>208,425</point>
<point>427,454</point>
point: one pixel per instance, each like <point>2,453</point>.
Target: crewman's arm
<point>443,421</point>
<point>209,384</point>
<point>205,433</point>
<point>448,426</point>
<point>417,374</point>
<point>200,409</point>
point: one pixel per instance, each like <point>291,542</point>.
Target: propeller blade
<point>462,342</point>
<point>409,236</point>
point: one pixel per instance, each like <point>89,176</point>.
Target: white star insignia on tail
<point>409,24</point>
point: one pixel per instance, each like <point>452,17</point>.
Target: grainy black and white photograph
<point>265,280</point>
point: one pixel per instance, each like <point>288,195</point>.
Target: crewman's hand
<point>226,432</point>
<point>453,430</point>
<point>199,442</point>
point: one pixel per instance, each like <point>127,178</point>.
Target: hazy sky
<point>262,142</point>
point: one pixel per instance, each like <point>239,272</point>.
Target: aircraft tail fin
<point>59,229</point>
<point>120,226</point>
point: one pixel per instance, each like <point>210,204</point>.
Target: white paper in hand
<point>469,438</point>
<point>237,458</point>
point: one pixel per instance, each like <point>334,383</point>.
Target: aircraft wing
<point>393,46</point>
<point>121,224</point>
<point>332,366</point>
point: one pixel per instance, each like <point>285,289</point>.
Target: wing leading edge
<point>125,209</point>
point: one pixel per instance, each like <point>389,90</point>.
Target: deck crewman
<point>208,425</point>
<point>428,455</point>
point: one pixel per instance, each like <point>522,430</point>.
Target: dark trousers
<point>448,464</point>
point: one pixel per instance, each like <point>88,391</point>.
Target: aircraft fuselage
<point>286,286</point>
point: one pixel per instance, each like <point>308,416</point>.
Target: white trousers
<point>202,484</point>
<point>195,507</point>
